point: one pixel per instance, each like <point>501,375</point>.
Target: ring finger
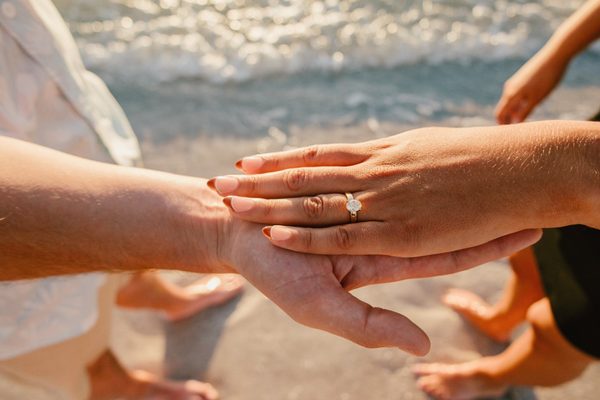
<point>321,210</point>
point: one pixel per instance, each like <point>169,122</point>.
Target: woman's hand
<point>528,87</point>
<point>426,191</point>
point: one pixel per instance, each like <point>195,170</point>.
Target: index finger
<point>311,156</point>
<point>289,183</point>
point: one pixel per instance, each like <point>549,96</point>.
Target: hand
<point>528,87</point>
<point>427,191</point>
<point>313,289</point>
<point>117,218</point>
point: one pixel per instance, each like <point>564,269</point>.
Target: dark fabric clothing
<point>569,263</point>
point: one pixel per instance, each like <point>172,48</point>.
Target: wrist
<point>554,55</point>
<point>568,166</point>
<point>589,135</point>
<point>176,223</point>
<point>203,230</point>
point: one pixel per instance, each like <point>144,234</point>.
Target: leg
<point>541,357</point>
<point>498,321</point>
<point>109,380</point>
<point>148,290</point>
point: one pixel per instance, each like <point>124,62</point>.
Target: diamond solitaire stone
<point>353,205</point>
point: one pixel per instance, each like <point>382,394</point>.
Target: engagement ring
<point>353,206</point>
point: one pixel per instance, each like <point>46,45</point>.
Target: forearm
<point>554,172</point>
<point>575,34</point>
<point>61,214</point>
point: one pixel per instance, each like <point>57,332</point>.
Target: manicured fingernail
<point>251,164</point>
<point>267,231</point>
<point>211,183</point>
<point>241,204</point>
<point>225,184</point>
<point>280,233</point>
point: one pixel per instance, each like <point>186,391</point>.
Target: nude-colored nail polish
<point>226,184</point>
<point>241,204</point>
<point>252,163</point>
<point>280,233</point>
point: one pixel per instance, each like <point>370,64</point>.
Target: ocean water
<point>250,68</point>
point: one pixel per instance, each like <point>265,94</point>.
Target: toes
<point>464,301</point>
<point>428,369</point>
<point>201,390</point>
<point>433,387</point>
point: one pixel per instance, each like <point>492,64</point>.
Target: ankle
<point>486,371</point>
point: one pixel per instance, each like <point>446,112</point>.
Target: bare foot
<point>149,291</point>
<point>209,291</point>
<point>109,381</point>
<point>479,313</point>
<point>149,387</point>
<point>456,382</point>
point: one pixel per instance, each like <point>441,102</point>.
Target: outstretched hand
<point>313,289</point>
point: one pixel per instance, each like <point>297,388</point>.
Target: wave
<point>222,41</point>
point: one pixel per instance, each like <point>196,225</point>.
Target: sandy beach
<point>251,350</point>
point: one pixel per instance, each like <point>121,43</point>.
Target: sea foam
<point>239,40</point>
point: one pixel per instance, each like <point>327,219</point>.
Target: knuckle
<point>267,208</point>
<point>310,154</point>
<point>344,238</point>
<point>313,206</point>
<point>365,337</point>
<point>410,236</point>
<point>272,162</point>
<point>308,239</point>
<point>251,183</point>
<point>295,179</point>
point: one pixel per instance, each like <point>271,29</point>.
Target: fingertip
<point>531,236</point>
<point>211,184</point>
<point>238,165</point>
<point>280,233</point>
<point>241,204</point>
<point>227,202</point>
<point>515,119</point>
<point>251,164</point>
<point>267,232</point>
<point>224,185</point>
<point>422,346</point>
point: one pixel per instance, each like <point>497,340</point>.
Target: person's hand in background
<point>531,84</point>
<point>528,87</point>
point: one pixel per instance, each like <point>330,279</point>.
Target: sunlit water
<point>241,67</point>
